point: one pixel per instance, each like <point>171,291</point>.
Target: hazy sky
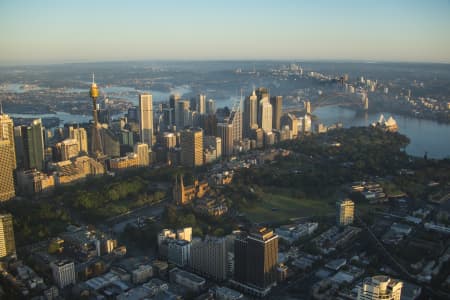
<point>42,31</point>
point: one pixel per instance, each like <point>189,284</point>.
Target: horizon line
<point>306,60</point>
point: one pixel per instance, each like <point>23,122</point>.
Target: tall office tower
<point>262,92</point>
<point>173,100</point>
<point>181,114</point>
<point>80,135</point>
<point>7,190</point>
<point>104,116</point>
<point>111,144</point>
<point>18,141</point>
<point>292,122</point>
<point>63,273</point>
<point>345,212</point>
<point>133,114</point>
<point>141,150</point>
<point>167,118</point>
<point>33,145</point>
<point>209,257</point>
<point>265,117</point>
<point>146,118</point>
<point>250,114</point>
<point>7,133</point>
<point>277,109</point>
<point>308,107</point>
<point>201,103</point>
<point>306,124</point>
<point>192,147</point>
<point>380,288</point>
<point>225,132</point>
<point>69,148</point>
<point>7,242</point>
<point>210,107</point>
<point>169,140</point>
<point>255,258</point>
<point>235,120</point>
<point>96,141</point>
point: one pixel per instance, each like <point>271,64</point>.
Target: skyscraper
<point>201,103</point>
<point>345,212</point>
<point>265,116</point>
<point>7,242</point>
<point>292,122</point>
<point>173,100</point>
<point>235,120</point>
<point>277,109</point>
<point>33,145</point>
<point>146,118</point>
<point>141,150</point>
<point>250,114</point>
<point>192,147</point>
<point>96,141</point>
<point>182,114</point>
<point>7,190</point>
<point>380,288</point>
<point>209,257</point>
<point>80,135</point>
<point>308,107</point>
<point>225,132</point>
<point>69,148</point>
<point>255,259</point>
<point>7,133</point>
<point>210,107</point>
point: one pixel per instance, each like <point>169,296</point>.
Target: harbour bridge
<point>341,99</point>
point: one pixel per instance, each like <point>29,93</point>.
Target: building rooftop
<point>189,275</point>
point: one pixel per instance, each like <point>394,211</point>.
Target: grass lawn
<point>280,207</point>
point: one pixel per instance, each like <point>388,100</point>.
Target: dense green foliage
<point>92,202</point>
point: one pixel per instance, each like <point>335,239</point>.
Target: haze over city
<point>35,32</point>
<point>225,150</point>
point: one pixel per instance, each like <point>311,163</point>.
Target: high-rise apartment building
<point>209,257</point>
<point>380,288</point>
<point>63,273</point>
<point>192,147</point>
<point>33,145</point>
<point>146,118</point>
<point>345,212</point>
<point>225,132</point>
<point>7,242</point>
<point>7,133</point>
<point>277,109</point>
<point>255,260</point>
<point>7,190</point>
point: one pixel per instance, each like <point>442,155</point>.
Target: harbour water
<point>425,135</point>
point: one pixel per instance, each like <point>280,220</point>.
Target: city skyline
<point>57,32</point>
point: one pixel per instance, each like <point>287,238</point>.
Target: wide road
<point>118,223</point>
